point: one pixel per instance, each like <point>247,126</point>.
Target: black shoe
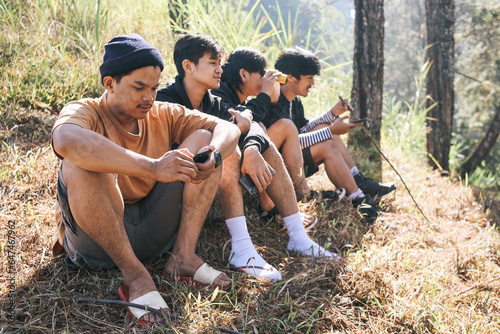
<point>268,214</point>
<point>366,209</point>
<point>372,188</point>
<point>323,195</point>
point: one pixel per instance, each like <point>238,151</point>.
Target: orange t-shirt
<point>165,124</point>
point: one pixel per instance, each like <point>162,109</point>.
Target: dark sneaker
<point>323,195</point>
<point>372,188</point>
<point>366,209</point>
<point>333,195</point>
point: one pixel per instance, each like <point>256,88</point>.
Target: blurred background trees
<point>440,24</point>
<point>50,51</point>
<point>368,78</point>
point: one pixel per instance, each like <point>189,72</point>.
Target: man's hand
<point>178,165</point>
<point>206,168</point>
<point>175,165</point>
<point>339,127</point>
<point>340,108</point>
<point>254,165</point>
<point>242,119</point>
<point>269,84</point>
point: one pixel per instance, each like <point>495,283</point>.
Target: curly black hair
<point>298,61</point>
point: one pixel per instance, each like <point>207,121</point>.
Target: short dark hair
<point>118,77</point>
<point>248,59</point>
<point>298,61</point>
<point>193,47</point>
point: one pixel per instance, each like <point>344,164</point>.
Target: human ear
<point>292,78</point>
<point>187,65</point>
<point>243,74</point>
<point>109,83</point>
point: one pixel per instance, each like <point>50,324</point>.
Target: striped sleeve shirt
<point>326,118</point>
<point>309,138</point>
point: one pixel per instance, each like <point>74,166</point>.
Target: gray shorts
<point>151,224</point>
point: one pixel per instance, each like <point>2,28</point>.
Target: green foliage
<point>324,26</point>
<point>404,45</point>
<point>48,49</point>
<point>485,176</point>
<point>477,83</point>
<point>404,126</point>
<point>477,70</point>
<point>230,24</point>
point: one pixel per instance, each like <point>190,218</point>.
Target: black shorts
<point>310,167</point>
<point>151,224</point>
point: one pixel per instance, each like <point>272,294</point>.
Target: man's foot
<point>199,273</point>
<point>152,299</point>
<point>372,188</point>
<point>253,264</point>
<point>310,248</point>
<point>366,209</point>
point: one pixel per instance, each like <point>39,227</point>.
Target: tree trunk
<point>368,78</point>
<point>440,21</point>
<point>484,147</point>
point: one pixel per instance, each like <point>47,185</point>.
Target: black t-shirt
<point>174,92</point>
<point>293,111</point>
<point>258,105</point>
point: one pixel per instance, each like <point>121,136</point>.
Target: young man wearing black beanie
<point>125,195</point>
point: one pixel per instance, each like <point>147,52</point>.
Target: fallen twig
<point>150,309</point>
<point>383,155</point>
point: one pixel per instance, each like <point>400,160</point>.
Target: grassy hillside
<point>407,274</point>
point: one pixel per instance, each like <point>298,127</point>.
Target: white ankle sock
<point>300,241</point>
<point>243,252</point>
<point>354,171</point>
<point>357,194</point>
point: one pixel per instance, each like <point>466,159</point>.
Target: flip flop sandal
<point>152,299</point>
<point>204,276</point>
<point>308,224</point>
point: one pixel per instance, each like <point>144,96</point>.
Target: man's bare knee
<point>196,140</point>
<point>272,153</point>
<point>87,189</point>
<point>284,125</point>
<point>76,177</point>
<point>231,170</point>
<point>324,150</point>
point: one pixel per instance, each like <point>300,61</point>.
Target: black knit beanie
<point>124,54</point>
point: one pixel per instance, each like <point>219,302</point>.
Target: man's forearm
<point>94,152</point>
<point>225,137</point>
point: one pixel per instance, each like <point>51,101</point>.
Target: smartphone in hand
<point>201,157</point>
<point>359,120</point>
<point>248,184</point>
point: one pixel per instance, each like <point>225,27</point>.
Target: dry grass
<point>405,275</point>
